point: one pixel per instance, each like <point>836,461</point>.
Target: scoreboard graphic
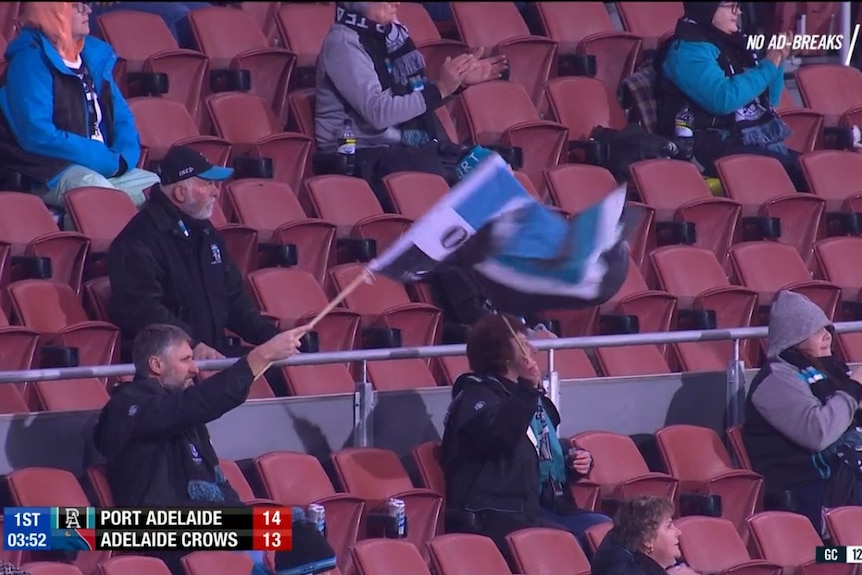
<point>121,529</point>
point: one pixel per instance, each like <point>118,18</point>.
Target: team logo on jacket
<point>216,254</point>
<point>196,457</point>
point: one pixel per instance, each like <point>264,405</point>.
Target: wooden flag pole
<point>350,288</point>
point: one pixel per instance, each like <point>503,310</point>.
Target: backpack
<point>621,148</point>
<point>460,295</point>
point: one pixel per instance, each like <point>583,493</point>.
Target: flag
<point>529,257</point>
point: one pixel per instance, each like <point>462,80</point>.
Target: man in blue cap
<point>169,265</point>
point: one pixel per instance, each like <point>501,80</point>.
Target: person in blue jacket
<point>729,93</point>
<point>63,122</point>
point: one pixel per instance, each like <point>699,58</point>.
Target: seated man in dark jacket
<point>153,432</point>
<point>169,264</point>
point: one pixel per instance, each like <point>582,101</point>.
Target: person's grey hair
<point>155,340</point>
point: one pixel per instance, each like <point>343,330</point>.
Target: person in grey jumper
<point>800,417</point>
<point>370,74</point>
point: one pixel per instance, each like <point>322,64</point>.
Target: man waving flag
<point>529,257</point>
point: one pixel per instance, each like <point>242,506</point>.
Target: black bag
<point>616,150</point>
<point>311,553</point>
<point>460,295</point>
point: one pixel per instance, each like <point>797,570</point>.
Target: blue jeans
<point>173,13</point>
<point>578,524</point>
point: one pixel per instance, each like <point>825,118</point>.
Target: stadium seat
<point>377,475</point>
<point>806,125</point>
<point>542,551</point>
<point>761,185</point>
<point>580,104</point>
<point>737,446</point>
<point>216,563</point>
<point>233,40</point>
<point>466,554</point>
<point>299,479</point>
<point>97,475</point>
<point>620,469</point>
<point>836,261</point>
<point>301,106</point>
<point>414,193</point>
<point>696,278</point>
<point>789,539</point>
<point>654,309</point>
<point>100,214</point>
<point>302,28</point>
<point>29,228</point>
<point>845,525</point>
<point>630,360</point>
<point>650,20</point>
<point>241,242</point>
<point>387,557</point>
<point>679,193</point>
<point>144,43</point>
<point>586,28</point>
<point>427,39</point>
<point>274,211</point>
<point>17,345</point>
<point>768,267</point>
<point>696,456</point>
<point>576,187</point>
<point>498,27</point>
<point>97,298</point>
<point>45,487</point>
<point>426,456</point>
<point>133,564</point>
<point>830,89</point>
<point>501,113</point>
<point>245,120</point>
<point>236,479</point>
<point>834,175</point>
<point>264,14</point>
<point>164,123</point>
<point>53,310</point>
<point>50,568</point>
<point>596,534</point>
<point>713,545</point>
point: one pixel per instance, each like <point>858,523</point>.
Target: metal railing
<point>364,396</point>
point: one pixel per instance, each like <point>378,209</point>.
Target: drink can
<point>398,512</point>
<point>316,515</point>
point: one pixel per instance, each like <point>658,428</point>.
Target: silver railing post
<point>553,381</point>
<point>735,386</point>
<point>363,410</point>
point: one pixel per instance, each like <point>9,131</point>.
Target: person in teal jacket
<point>63,121</point>
<point>730,94</point>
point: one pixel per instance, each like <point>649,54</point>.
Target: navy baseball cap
<point>181,163</point>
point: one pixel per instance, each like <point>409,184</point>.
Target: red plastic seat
<point>298,479</point>
<point>427,458</point>
<point>713,545</point>
<point>414,193</point>
<point>29,228</point>
<point>426,36</point>
<point>17,352</point>
<point>241,242</point>
<point>697,279</point>
<point>581,103</point>
<point>620,469</point>
<point>649,20</point>
<point>541,551</point>
<point>97,475</point>
<point>100,214</point>
<point>50,568</point>
<point>830,89</point>
<point>388,557</point>
<point>164,123</point>
<point>835,176</point>
<point>696,456</point>
<point>737,446</point>
<point>678,192</point>
<point>233,40</point>
<point>144,43</point>
<point>596,534</point>
<point>217,562</point>
<point>789,540</point>
<point>245,120</point>
<point>464,554</point>
<point>302,28</point>
<point>499,28</point>
<point>125,564</point>
<point>376,475</point>
<point>501,113</point>
<point>763,188</point>
<point>274,211</point>
<point>587,28</point>
<point>845,525</point>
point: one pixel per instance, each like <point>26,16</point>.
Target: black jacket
<point>166,268</point>
<point>145,431</point>
<point>488,460</point>
<point>612,558</point>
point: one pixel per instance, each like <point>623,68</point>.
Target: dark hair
<point>489,343</point>
<point>638,519</point>
<point>155,339</point>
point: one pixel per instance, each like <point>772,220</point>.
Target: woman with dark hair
<point>800,430</point>
<point>710,80</point>
<point>643,541</point>
<point>505,466</point>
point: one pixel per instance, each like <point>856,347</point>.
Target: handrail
<point>657,338</point>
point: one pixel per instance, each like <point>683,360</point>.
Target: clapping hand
<point>484,69</point>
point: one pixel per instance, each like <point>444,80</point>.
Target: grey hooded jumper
<point>785,422</point>
<point>348,87</point>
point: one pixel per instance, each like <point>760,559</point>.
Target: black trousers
<point>374,164</point>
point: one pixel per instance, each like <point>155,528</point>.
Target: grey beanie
<point>792,319</point>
